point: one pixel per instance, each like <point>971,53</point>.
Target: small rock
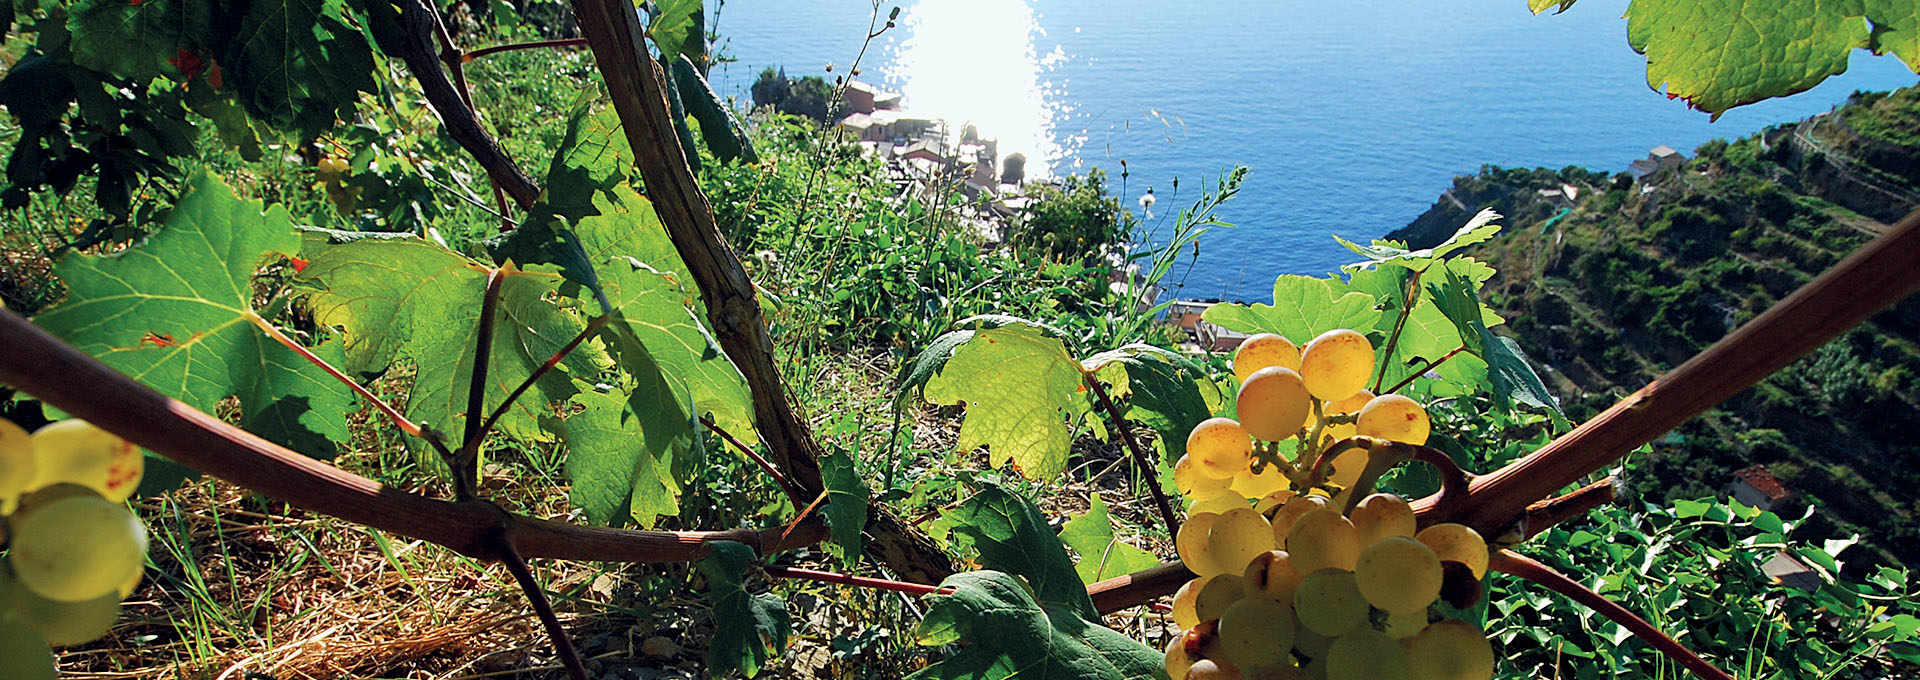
<point>659,646</point>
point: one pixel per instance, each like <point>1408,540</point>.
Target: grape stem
<point>1147,469</point>
<point>466,461</point>
<point>1399,324</point>
<point>542,607</point>
<point>1532,570</point>
<point>1423,370</point>
<point>392,414</point>
<point>500,411</point>
<point>413,43</point>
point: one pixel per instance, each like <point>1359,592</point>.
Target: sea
<point>1352,117</point>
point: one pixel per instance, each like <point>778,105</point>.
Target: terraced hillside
<point>1625,279</point>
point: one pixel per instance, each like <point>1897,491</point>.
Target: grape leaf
<point>620,461</point>
<point>135,40</point>
<point>1012,536</point>
<point>1161,388</point>
<point>1303,308</point>
<point>676,30</point>
<point>847,499</point>
<point>748,630</point>
<point>1102,555</point>
<point>1022,391</point>
<point>415,300</point>
<point>297,64</point>
<point>1477,229</point>
<point>1513,376</point>
<point>1718,54</point>
<point>176,312</point>
<point>1003,633</point>
<point>929,363</point>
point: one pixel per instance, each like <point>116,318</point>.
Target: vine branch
<point>542,607</point>
<point>786,485</point>
<point>419,24</point>
<point>851,580</point>
<point>1140,457</point>
<point>1532,570</point>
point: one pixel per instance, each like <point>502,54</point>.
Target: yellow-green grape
<point>1191,543</point>
<point>1402,625</point>
<point>1273,403</point>
<point>1329,603</point>
<point>1263,350</point>
<point>1321,539</point>
<point>1289,513</point>
<point>1395,417</point>
<point>16,462</point>
<point>1451,650</point>
<point>1209,669</point>
<point>1255,632</point>
<point>1367,654</point>
<point>1279,671</point>
<point>1337,364</point>
<point>1398,574</point>
<point>1457,543</point>
<point>1262,484</point>
<point>1217,594</point>
<point>1272,501</point>
<point>77,548</point>
<point>1186,602</point>
<point>331,166</point>
<point>1383,515</point>
<point>1272,576</point>
<point>1220,446</point>
<point>1307,642</point>
<point>1177,661</point>
<point>76,452</point>
<point>1217,501</point>
<point>1191,481</point>
<point>1239,536</point>
<point>64,623</point>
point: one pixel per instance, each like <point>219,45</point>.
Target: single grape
<point>1459,543</point>
<point>1289,513</point>
<point>1264,350</point>
<point>1239,536</point>
<point>1383,515</point>
<point>1398,574</point>
<point>1185,603</point>
<point>16,463</point>
<point>68,623</point>
<point>1323,538</point>
<point>1402,625</point>
<point>1273,403</point>
<point>1271,575</point>
<point>1191,481</point>
<point>74,451</point>
<point>1217,501</point>
<point>1218,594</point>
<point>1451,650</point>
<point>1307,642</point>
<point>1329,603</point>
<point>1337,364</point>
<point>1255,632</point>
<point>1262,484</point>
<point>1367,654</point>
<point>1220,446</point>
<point>77,548</point>
<point>1177,661</point>
<point>1395,417</point>
<point>1209,669</point>
<point>1191,543</point>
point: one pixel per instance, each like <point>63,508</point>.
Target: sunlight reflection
<point>973,61</point>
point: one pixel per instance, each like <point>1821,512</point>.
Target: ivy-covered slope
<point>1627,280</point>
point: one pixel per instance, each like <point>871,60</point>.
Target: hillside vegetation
<point>1628,279</point>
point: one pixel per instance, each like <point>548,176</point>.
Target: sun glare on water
<point>974,63</point>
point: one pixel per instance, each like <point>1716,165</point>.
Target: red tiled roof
<point>1763,481</point>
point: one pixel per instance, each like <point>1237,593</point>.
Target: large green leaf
<point>299,64</point>
<point>1161,388</point>
<point>1303,308</point>
<point>411,299</point>
<point>676,29</point>
<point>176,313</point>
<point>1478,229</point>
<point>621,462</point>
<point>847,499</point>
<point>1718,54</point>
<point>1022,392</point>
<point>1001,632</point>
<point>1012,536</point>
<point>748,630</point>
<point>135,40</point>
<point>1102,554</point>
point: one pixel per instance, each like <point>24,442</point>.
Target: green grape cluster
<point>73,549</point>
<point>1296,579</point>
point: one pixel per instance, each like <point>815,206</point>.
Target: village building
<point>1756,487</point>
<point>1661,159</point>
<point>862,97</point>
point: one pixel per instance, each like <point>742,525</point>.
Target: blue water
<point>1353,117</point>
